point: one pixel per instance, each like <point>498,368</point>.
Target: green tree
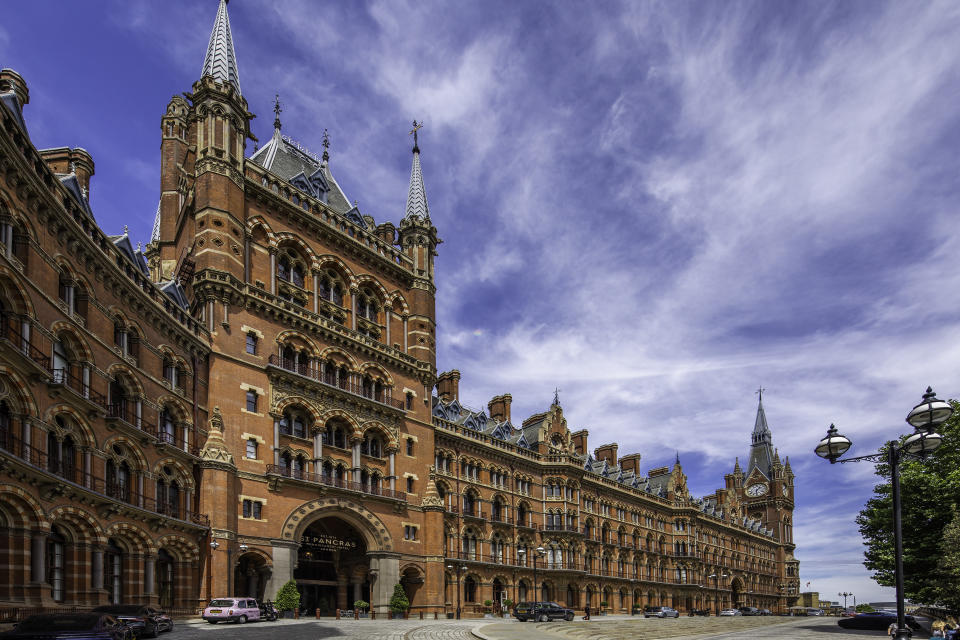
<point>288,598</point>
<point>930,491</point>
<point>949,583</point>
<point>864,608</point>
<point>398,601</point>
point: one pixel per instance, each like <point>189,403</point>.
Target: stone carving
<point>215,451</point>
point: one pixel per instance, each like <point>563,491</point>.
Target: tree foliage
<point>930,496</point>
<point>399,601</point>
<point>288,598</point>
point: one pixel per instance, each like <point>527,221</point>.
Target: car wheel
<point>569,617</point>
<point>212,621</point>
<point>242,620</point>
<point>544,618</point>
<point>151,631</point>
<point>170,628</point>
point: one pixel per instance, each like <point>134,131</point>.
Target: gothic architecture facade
<point>253,397</point>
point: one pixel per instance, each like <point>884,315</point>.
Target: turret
<point>418,240</point>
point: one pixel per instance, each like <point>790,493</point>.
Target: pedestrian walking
<point>892,629</point>
<point>586,612</point>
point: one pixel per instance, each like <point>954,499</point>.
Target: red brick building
<point>250,399</point>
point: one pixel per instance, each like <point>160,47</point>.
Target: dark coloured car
<point>750,611</point>
<point>660,612</point>
<point>541,612</point>
<point>56,626</point>
<point>699,612</point>
<point>875,620</point>
<point>145,621</point>
<point>766,612</point>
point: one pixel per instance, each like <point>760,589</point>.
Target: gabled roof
<point>288,159</point>
<point>221,61</point>
<point>133,255</point>
<point>174,291</point>
<point>69,180</point>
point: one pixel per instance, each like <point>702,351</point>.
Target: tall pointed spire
<point>416,196</point>
<point>221,61</point>
<point>761,447</point>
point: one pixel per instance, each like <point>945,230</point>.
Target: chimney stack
<point>448,386</point>
<point>499,407</point>
<point>579,440</point>
<point>63,160</point>
<point>607,452</point>
<point>631,462</point>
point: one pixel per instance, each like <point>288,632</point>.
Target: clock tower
<point>767,490</point>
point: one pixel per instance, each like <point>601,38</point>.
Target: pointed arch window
<point>118,480</point>
<point>165,575</point>
<point>113,572</point>
<point>56,559</point>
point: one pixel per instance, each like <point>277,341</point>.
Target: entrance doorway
<point>736,594</point>
<point>332,567</point>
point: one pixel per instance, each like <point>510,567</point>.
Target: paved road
<point>625,628</point>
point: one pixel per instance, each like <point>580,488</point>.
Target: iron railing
<point>333,481</point>
<point>383,396</point>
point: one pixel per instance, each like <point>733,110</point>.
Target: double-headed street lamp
<point>845,595</point>
<point>214,545</point>
<point>460,568</point>
<point>540,551</point>
<point>716,587</point>
<point>924,418</point>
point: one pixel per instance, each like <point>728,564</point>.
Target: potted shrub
<point>399,604</point>
<point>603,607</point>
<point>288,599</point>
<point>361,606</point>
<point>487,606</point>
<point>507,606</point>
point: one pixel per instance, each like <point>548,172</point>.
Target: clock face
<point>756,490</point>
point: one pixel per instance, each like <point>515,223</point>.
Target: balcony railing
<point>121,492</point>
<point>384,396</point>
<point>572,528</point>
<point>474,513</point>
<point>331,481</point>
<point>12,333</point>
<point>499,517</point>
<point>123,411</point>
<point>75,383</point>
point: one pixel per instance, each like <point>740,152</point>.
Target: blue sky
<point>656,207</point>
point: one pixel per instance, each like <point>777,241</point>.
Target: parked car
<point>234,609</point>
<point>699,612</point>
<point>875,620</point>
<point>660,612</point>
<point>541,612</point>
<point>145,621</point>
<point>52,626</point>
<point>749,611</point>
<point>766,612</point>
<point>731,612</point>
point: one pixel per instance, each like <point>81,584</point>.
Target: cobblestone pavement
<point>623,628</point>
<point>328,628</point>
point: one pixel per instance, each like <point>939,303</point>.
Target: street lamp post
<point>459,569</point>
<point>845,595</point>
<point>540,551</point>
<point>924,418</point>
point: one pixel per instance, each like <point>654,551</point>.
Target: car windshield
<point>221,603</point>
<point>75,622</point>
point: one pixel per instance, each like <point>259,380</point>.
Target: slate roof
<point>9,100</point>
<point>456,413</point>
<point>287,159</point>
<point>221,60</point>
<point>417,195</point>
<point>761,449</point>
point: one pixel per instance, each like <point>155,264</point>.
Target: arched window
<point>165,578</point>
<point>113,572</point>
<point>5,417</point>
<point>469,503</point>
<point>56,564</point>
<point>330,288</point>
<point>522,515</point>
<point>168,494</point>
<point>168,428</point>
<point>371,445</point>
<point>336,434</point>
<point>522,591</point>
<point>295,422</point>
<point>118,480</point>
<point>469,589</point>
<point>367,305</point>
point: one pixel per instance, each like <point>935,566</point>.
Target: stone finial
<point>215,450</point>
<point>431,497</point>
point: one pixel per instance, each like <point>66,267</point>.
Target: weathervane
<point>416,127</point>
<point>760,392</point>
<point>276,111</point>
<point>556,396</point>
